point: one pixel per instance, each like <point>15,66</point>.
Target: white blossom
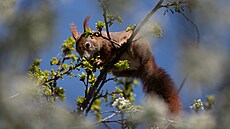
<point>121,103</point>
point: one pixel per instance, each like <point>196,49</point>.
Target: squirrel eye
<point>87,45</point>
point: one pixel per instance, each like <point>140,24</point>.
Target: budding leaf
<point>131,27</point>
<point>80,100</point>
<point>54,61</point>
<point>68,46</point>
<point>65,66</point>
<point>122,65</point>
<point>119,19</point>
<point>100,25</point>
<point>82,76</point>
<point>88,32</point>
<point>96,105</point>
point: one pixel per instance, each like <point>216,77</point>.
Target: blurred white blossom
<point>122,104</point>
<point>204,65</point>
<point>200,121</point>
<point>197,105</point>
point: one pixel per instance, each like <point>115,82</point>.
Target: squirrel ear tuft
<point>85,25</point>
<point>74,31</point>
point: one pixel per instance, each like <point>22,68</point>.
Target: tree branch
<point>108,117</point>
<point>106,38</point>
<point>57,76</point>
<point>149,15</point>
<point>110,64</point>
<point>175,3</point>
<point>182,84</point>
<point>95,96</point>
<point>196,28</point>
<point>178,3</point>
<point>107,125</point>
<point>106,23</point>
<point>136,31</point>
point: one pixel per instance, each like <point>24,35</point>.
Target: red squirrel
<point>141,62</point>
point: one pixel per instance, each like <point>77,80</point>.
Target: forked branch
<point>93,90</point>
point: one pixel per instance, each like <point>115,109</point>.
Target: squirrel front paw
<point>98,63</point>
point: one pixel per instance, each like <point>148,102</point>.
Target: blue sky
<point>165,50</point>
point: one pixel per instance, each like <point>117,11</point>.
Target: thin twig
<point>57,76</point>
<point>106,23</point>
<point>123,48</point>
<point>182,83</point>
<point>113,121</point>
<point>111,40</point>
<point>92,89</point>
<point>122,120</point>
<point>108,112</point>
<point>110,79</point>
<point>149,15</point>
<point>197,30</point>
<point>166,127</point>
<point>173,121</point>
<point>95,96</point>
<point>86,85</point>
<point>168,4</point>
<point>176,3</point>
<point>11,97</point>
<point>107,125</point>
<point>108,117</point>
<point>60,65</point>
<point>136,31</point>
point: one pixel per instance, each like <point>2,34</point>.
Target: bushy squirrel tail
<point>157,82</point>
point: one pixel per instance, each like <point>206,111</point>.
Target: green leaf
<point>86,63</point>
<point>114,96</point>
<point>54,61</point>
<point>80,100</point>
<point>37,62</point>
<point>35,67</point>
<point>117,90</point>
<point>52,72</point>
<point>73,57</point>
<point>122,65</point>
<point>100,25</point>
<point>71,75</point>
<point>82,76</point>
<point>131,27</point>
<point>59,90</point>
<point>46,72</point>
<point>135,82</point>
<point>47,91</point>
<point>155,30</point>
<point>98,116</point>
<point>68,46</point>
<point>65,66</point>
<point>96,106</point>
<point>88,32</point>
<point>119,19</point>
<point>92,78</point>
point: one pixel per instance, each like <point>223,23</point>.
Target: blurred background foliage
<point>27,26</point>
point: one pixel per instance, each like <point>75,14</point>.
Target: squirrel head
<point>86,45</point>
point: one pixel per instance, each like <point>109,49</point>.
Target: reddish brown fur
<point>156,81</point>
<point>142,64</point>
